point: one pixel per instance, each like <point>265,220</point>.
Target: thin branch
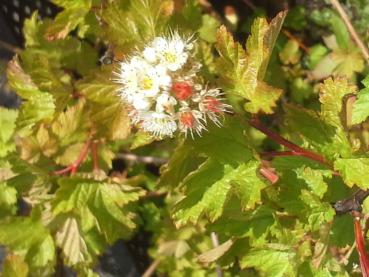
<point>250,4</point>
<point>215,241</point>
<point>364,50</point>
<point>95,158</point>
<point>298,41</point>
<point>142,159</point>
<point>296,150</point>
<point>153,194</point>
<point>72,168</point>
<point>7,46</point>
<point>151,269</point>
<point>306,154</point>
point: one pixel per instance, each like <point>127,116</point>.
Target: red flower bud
<point>187,119</point>
<point>212,104</point>
<point>182,90</point>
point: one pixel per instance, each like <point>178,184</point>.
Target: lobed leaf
<point>30,239</point>
<point>68,19</point>
<point>352,171</point>
<point>7,123</point>
<point>108,111</point>
<point>102,201</point>
<point>360,110</point>
<point>70,240</point>
<point>243,72</point>
<point>14,265</point>
<point>271,262</point>
<point>332,93</point>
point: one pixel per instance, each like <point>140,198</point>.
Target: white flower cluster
<point>161,85</point>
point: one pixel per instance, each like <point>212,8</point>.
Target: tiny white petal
<point>159,124</point>
<point>165,102</point>
<point>141,103</point>
<point>149,54</point>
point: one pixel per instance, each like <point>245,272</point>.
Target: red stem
<point>306,154</point>
<point>296,150</point>
<point>269,174</point>
<point>360,246</point>
<point>72,168</point>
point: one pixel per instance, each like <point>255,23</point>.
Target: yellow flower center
<point>170,57</point>
<point>147,83</point>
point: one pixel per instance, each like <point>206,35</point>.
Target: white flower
<point>141,103</point>
<point>171,51</point>
<point>138,76</point>
<point>158,124</point>
<point>149,54</point>
<point>165,81</point>
<point>166,103</point>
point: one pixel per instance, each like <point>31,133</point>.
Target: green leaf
<point>68,19</point>
<point>340,62</point>
<point>19,81</point>
<point>39,105</point>
<point>332,92</point>
<point>255,224</point>
<point>317,212</point>
<point>328,18</point>
<point>8,197</point>
<point>291,53</point>
<point>332,96</point>
<point>30,238</point>
<point>130,24</point>
<point>31,28</point>
<point>215,253</point>
<point>141,138</point>
<point>325,139</point>
<point>108,110</point>
<point>242,72</point>
<point>70,240</point>
<point>71,125</point>
<point>43,65</point>
<point>181,163</point>
<point>208,189</point>
<point>70,154</point>
<point>340,30</point>
<point>208,28</point>
<point>227,145</point>
<point>270,262</point>
<point>342,232</point>
<point>314,179</point>
<point>360,110</point>
<point>353,170</point>
<point>7,123</point>
<point>317,52</point>
<point>14,265</point>
<point>348,62</point>
<point>228,170</point>
<point>104,202</point>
